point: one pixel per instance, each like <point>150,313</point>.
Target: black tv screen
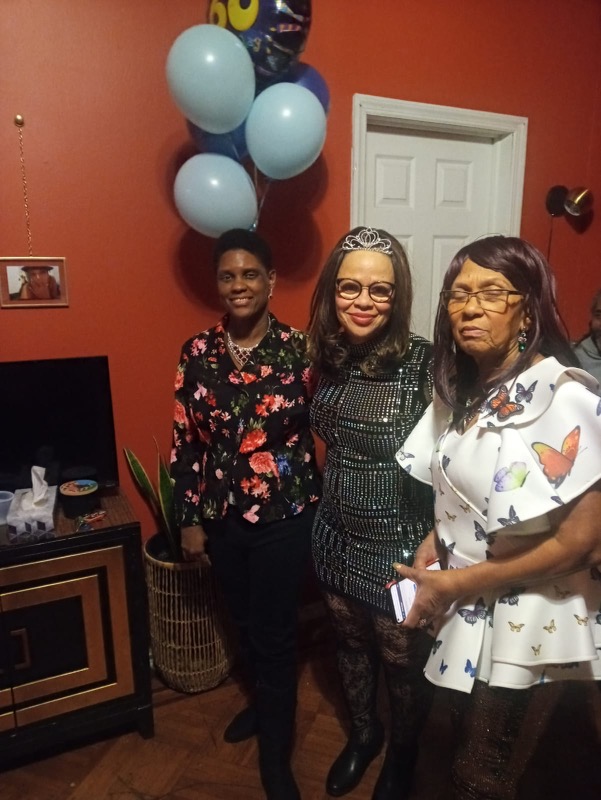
<point>57,414</point>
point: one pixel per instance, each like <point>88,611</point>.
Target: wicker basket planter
<point>191,634</point>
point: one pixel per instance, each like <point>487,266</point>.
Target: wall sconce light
<point>576,202</point>
<point>561,201</point>
<point>579,201</point>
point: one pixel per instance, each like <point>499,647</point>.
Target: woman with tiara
<point>373,384</point>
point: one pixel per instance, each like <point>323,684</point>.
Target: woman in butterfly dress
<point>512,447</point>
<point>246,486</point>
<point>374,384</point>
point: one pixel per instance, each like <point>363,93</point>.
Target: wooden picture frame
<point>33,282</point>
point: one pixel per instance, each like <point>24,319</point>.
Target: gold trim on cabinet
<point>72,702</point>
<point>110,558</point>
<point>7,722</point>
<point>6,698</point>
<point>89,590</point>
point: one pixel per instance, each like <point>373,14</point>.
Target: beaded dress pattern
<point>372,512</point>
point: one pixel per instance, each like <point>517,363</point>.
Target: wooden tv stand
<point>74,635</point>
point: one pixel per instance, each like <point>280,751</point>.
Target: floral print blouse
<point>242,437</point>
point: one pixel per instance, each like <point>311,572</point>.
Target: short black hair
<point>241,239</point>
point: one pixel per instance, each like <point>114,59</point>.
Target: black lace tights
<point>497,732</point>
<point>367,638</point>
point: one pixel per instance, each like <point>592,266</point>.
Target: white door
<point>432,194</point>
<point>436,187</point>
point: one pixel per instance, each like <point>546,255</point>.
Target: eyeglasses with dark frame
<point>487,299</point>
<point>379,291</point>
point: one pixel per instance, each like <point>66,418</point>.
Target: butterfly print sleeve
<point>548,456</point>
<point>519,635</point>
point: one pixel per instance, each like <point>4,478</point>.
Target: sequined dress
<point>372,512</point>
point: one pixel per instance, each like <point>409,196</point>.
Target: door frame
<point>507,134</point>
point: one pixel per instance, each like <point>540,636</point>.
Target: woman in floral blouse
<point>246,485</point>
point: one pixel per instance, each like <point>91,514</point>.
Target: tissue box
<point>32,523</point>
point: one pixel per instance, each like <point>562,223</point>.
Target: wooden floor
<point>188,760</point>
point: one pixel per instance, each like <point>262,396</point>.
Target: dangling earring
<point>522,339</point>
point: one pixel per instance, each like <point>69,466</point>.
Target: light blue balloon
<point>211,78</point>
<point>214,193</point>
<point>285,130</point>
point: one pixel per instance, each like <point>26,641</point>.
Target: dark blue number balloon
<point>273,31</point>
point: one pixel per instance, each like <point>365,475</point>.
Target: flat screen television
<point>57,414</point>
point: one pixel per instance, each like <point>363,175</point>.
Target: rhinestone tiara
<point>367,239</point>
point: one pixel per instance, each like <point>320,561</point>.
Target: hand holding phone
<point>402,594</point>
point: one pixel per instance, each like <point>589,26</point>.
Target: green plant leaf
<point>166,501</point>
<point>160,499</point>
<point>141,478</point>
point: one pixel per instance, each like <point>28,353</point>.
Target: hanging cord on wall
<point>550,240</point>
<point>20,123</point>
<point>554,203</point>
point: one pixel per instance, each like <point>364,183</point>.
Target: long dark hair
<point>455,373</point>
<point>328,347</point>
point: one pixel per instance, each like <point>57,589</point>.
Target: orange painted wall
<point>103,142</point>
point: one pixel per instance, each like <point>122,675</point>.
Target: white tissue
<point>30,517</point>
<point>37,496</point>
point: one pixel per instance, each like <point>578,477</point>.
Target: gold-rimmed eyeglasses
<point>350,289</point>
<point>487,299</point>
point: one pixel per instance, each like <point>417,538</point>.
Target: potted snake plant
<point>160,501</point>
<point>190,632</point>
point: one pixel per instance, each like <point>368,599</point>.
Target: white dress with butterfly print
<point>536,445</point>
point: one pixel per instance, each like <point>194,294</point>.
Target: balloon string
<point>262,195</point>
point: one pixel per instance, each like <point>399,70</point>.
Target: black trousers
<point>260,569</point>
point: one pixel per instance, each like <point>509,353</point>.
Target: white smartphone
<point>402,594</point>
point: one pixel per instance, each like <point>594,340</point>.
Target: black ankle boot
<point>242,727</point>
<point>396,776</point>
<point>350,766</point>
